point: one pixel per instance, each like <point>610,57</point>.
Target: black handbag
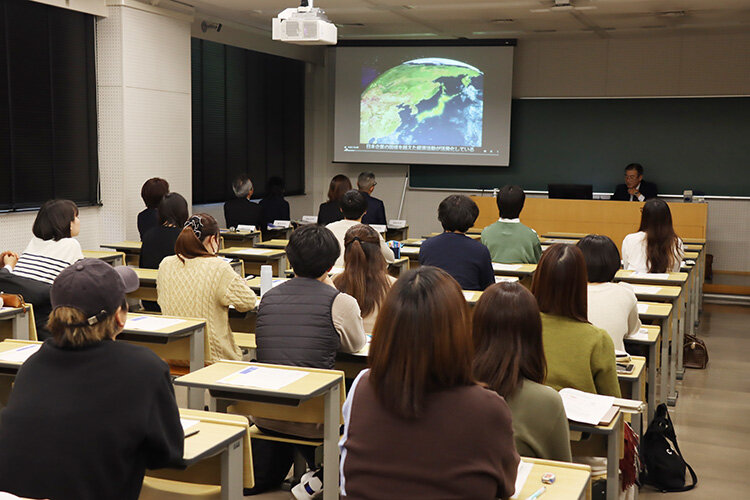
<point>664,466</point>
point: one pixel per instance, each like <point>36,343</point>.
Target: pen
<point>537,493</point>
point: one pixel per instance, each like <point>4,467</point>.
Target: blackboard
<point>701,144</point>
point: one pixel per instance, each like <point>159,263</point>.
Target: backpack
<point>664,467</point>
<point>694,352</point>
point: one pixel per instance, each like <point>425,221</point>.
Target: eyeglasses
<point>631,177</point>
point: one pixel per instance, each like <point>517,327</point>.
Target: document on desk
<point>653,276</point>
<point>585,407</point>
<point>6,308</point>
<point>642,334</point>
<point>253,251</point>
<point>505,267</point>
<point>151,323</point>
<point>524,468</point>
<point>262,377</point>
<point>20,354</point>
<point>643,308</point>
<point>469,295</point>
<point>188,423</point>
<point>505,279</point>
<point>646,290</point>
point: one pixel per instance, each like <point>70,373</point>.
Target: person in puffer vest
<point>302,322</point>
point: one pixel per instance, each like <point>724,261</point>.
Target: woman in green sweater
<point>509,358</point>
<point>579,355</point>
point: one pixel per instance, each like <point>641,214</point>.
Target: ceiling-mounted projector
<point>304,25</point>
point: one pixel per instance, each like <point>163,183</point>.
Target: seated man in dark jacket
<point>635,188</point>
<point>241,210</point>
<point>34,292</point>
<point>375,208</point>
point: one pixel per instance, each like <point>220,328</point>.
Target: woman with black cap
<point>87,415</point>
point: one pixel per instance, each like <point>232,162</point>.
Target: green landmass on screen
<point>408,85</point>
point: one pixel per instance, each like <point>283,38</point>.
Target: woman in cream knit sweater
<point>195,283</point>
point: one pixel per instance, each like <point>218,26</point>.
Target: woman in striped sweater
<point>52,248</point>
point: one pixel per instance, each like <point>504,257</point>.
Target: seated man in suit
<point>241,210</point>
<point>375,208</point>
<point>635,188</point>
<point>33,292</point>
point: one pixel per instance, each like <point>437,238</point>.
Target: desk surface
<point>314,383</point>
<point>124,246</point>
<point>238,235</point>
<point>278,244</point>
<point>11,367</point>
<point>513,269</point>
<point>639,364</point>
<point>656,293</point>
<point>652,331</point>
<point>10,312</point>
<point>254,283</point>
<point>146,276</point>
<point>185,327</point>
<point>103,255</point>
<point>634,277</point>
<point>410,251</point>
<point>571,480</point>
<point>213,437</point>
<point>656,310</point>
<point>252,253</point>
<point>412,242</point>
<point>691,255</point>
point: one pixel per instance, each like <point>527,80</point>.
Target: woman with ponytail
<point>195,283</point>
<point>655,248</point>
<point>365,275</point>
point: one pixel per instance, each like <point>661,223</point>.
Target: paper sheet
<point>151,323</point>
<point>643,308</point>
<point>188,423</point>
<point>263,378</point>
<point>642,334</point>
<point>524,468</point>
<point>6,308</point>
<point>509,279</point>
<point>653,276</point>
<point>585,407</point>
<point>20,354</point>
<point>243,228</point>
<point>469,296</point>
<point>253,251</point>
<point>336,270</point>
<point>646,290</point>
<point>505,267</point>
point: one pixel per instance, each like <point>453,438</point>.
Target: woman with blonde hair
<point>365,275</point>
<point>196,283</point>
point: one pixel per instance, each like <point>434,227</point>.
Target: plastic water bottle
<point>266,279</point>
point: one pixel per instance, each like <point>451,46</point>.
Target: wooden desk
<point>131,249</point>
<point>650,340</point>
<point>9,369</point>
<point>662,313</point>
<point>632,385</point>
<point>399,266</point>
<point>396,233</point>
<point>551,241</point>
<point>678,321</point>
<point>517,270</point>
<point>19,318</point>
<point>185,340</point>
<point>412,242</point>
<point>315,383</point>
<point>254,283</point>
<point>412,252</point>
<point>240,238</point>
<point>615,219</point>
<point>572,481</point>
<point>276,244</point>
<point>565,236</point>
<point>282,233</point>
<point>614,436</point>
<point>112,258</point>
<point>256,257</point>
<point>216,438</point>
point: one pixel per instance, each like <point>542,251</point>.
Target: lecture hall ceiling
<point>498,18</point>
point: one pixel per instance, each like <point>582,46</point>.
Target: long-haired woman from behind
<point>579,355</point>
<point>158,242</point>
<point>365,275</point>
<point>655,248</point>
<point>330,211</point>
<point>509,358</point>
<point>419,404</point>
<point>195,283</point>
